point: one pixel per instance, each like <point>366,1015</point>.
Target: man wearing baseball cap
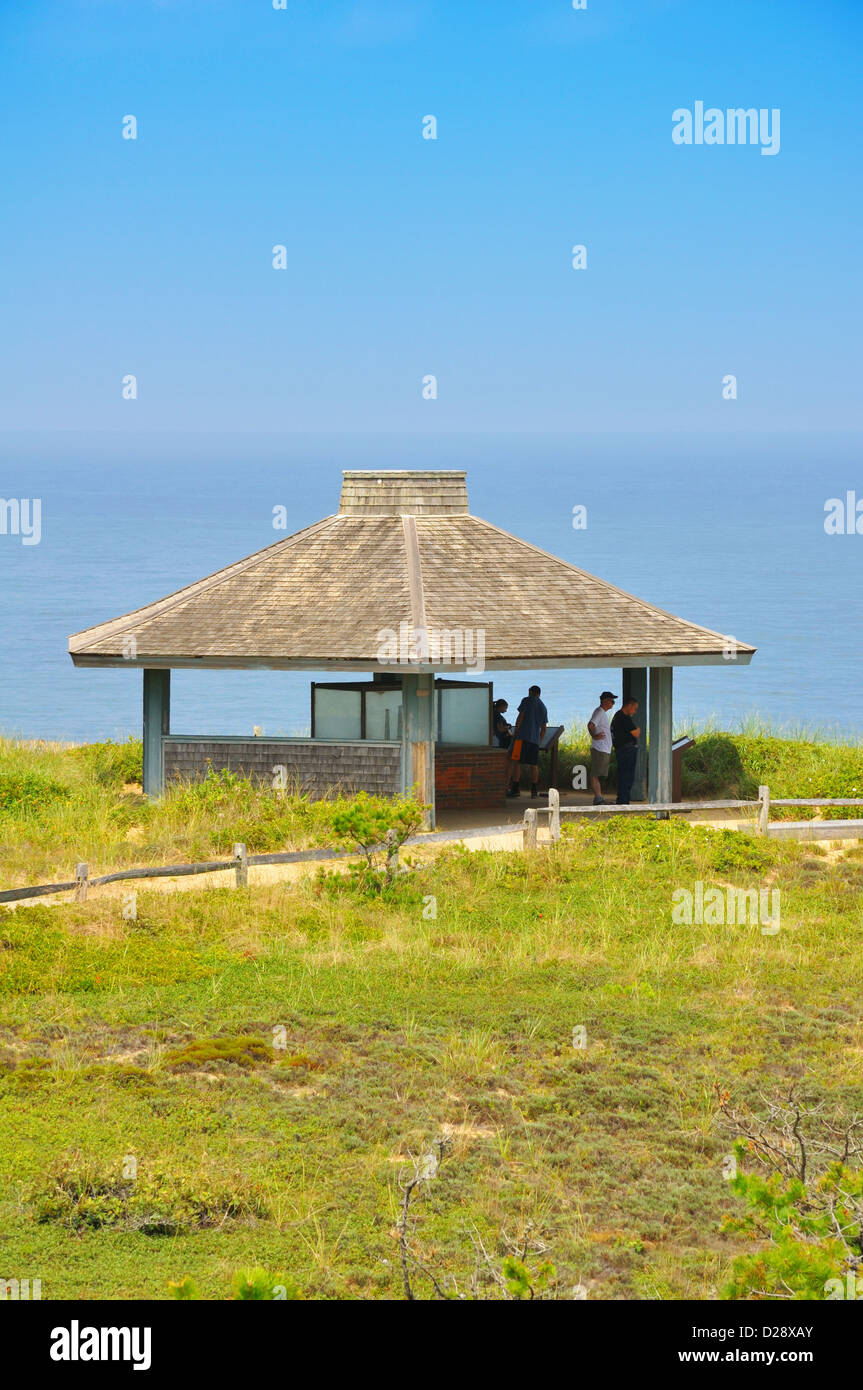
<point>600,748</point>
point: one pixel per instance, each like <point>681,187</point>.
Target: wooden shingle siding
<point>393,493</point>
<point>317,769</point>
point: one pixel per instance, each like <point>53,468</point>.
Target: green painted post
<point>418,699</point>
<point>634,683</point>
<point>157,721</point>
<point>659,762</point>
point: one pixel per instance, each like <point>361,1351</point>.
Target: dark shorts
<point>529,754</point>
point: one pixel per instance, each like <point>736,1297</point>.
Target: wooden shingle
<point>402,549</point>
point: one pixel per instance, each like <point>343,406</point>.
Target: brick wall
<point>318,768</point>
<point>466,777</point>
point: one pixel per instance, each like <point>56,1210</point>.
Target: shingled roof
<point>402,549</point>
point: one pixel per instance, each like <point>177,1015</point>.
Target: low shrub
<point>242,1051</point>
<point>29,793</point>
<point>112,764</point>
<point>82,1196</point>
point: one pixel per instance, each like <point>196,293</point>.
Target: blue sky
<point>406,256</point>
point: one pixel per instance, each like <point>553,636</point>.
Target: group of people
<point>523,741</point>
<point>620,734</point>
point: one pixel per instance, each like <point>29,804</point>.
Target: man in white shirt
<point>600,748</point>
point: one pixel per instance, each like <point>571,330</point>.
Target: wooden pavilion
<point>405,586</point>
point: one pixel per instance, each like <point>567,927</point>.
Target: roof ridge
<point>415,572</point>
<point>159,606</point>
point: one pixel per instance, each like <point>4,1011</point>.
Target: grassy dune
<point>59,805</point>
<point>153,1039</point>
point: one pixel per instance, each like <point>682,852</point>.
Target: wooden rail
<point>240,863</point>
<point>817,830</point>
<point>642,808</point>
<point>817,801</point>
<point>788,830</point>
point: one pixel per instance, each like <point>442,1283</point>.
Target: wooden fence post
<point>241,860</point>
<point>554,813</point>
<point>391,840</point>
<point>81,878</point>
<point>763,810</point>
<point>530,826</point>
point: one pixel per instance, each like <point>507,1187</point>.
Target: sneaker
<point>600,801</point>
<point>534,790</point>
<point>514,791</point>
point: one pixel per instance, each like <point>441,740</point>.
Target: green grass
<point>59,806</point>
<point>271,1057</point>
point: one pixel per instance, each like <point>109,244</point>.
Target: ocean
<point>726,530</point>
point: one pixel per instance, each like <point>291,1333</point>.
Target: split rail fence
<point>242,861</point>
<point>760,806</point>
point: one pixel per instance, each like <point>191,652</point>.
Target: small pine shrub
<point>800,1224</point>
<point>365,822</point>
<point>246,1284</point>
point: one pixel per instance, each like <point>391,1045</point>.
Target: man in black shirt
<point>624,737</point>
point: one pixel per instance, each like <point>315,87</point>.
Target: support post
<point>530,828</point>
<point>157,722</point>
<point>659,761</point>
<point>418,700</point>
<point>763,811</point>
<point>634,683</point>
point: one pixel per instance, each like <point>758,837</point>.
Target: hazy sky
<point>405,257</point>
